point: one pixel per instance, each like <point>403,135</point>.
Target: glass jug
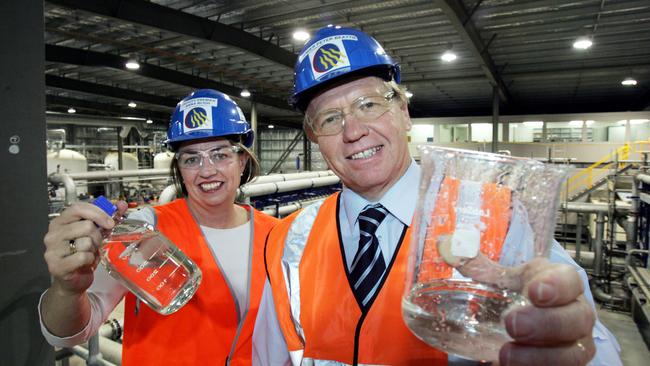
<point>147,263</point>
<point>478,215</point>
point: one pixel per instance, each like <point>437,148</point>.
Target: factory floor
<point>634,351</point>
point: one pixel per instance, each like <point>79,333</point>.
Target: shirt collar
<point>398,200</point>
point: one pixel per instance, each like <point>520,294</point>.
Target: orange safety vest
<point>331,325</point>
<point>317,311</point>
<point>205,330</point>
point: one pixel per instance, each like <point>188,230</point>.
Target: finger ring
<point>73,247</point>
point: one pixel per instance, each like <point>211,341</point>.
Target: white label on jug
<point>465,241</point>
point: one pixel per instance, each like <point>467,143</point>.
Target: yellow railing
<point>585,178</point>
<point>641,146</point>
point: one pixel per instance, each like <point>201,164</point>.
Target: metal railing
<point>585,178</point>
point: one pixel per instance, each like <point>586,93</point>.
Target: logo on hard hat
<point>197,113</point>
<point>328,54</point>
<point>196,118</point>
<point>327,57</point>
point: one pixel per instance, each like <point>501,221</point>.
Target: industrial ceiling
<point>520,49</point>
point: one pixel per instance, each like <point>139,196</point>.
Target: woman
<point>210,136</point>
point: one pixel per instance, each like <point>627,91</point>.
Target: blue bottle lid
<point>106,205</point>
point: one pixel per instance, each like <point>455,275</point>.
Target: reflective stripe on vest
<point>319,316</point>
<point>207,330</point>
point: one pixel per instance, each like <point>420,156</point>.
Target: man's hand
<point>557,329</point>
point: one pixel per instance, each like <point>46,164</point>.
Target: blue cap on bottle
<point>106,205</point>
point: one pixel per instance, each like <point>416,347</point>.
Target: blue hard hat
<point>335,52</point>
<point>207,113</point>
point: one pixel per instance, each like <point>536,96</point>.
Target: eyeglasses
<point>218,157</point>
<point>366,109</point>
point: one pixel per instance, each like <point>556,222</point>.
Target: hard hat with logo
<point>207,113</point>
<point>336,52</point>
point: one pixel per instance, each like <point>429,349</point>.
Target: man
<point>338,301</point>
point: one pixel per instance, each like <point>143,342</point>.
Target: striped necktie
<point>368,266</point>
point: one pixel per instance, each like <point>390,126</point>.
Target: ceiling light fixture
<point>132,104</point>
<point>149,121</point>
<point>72,110</point>
<point>582,43</point>
<point>408,94</point>
<point>300,35</point>
<point>271,126</point>
<point>448,56</point>
<point>575,123</point>
<point>245,93</point>
<point>132,64</point>
<point>628,82</point>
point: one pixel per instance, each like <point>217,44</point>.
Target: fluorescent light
<point>300,35</point>
<point>534,124</point>
<point>575,123</point>
<point>271,126</point>
<point>590,122</point>
<point>628,82</point>
<point>72,110</point>
<point>582,43</point>
<point>132,65</point>
<point>149,120</point>
<point>448,56</point>
<point>408,94</point>
<point>245,93</point>
<point>132,104</point>
<point>638,121</point>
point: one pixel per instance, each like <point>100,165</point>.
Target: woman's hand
<point>72,246</point>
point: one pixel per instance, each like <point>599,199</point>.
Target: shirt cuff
<point>63,342</point>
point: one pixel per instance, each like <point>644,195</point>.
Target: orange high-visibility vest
<point>317,311</point>
<point>205,330</point>
<point>331,326</point>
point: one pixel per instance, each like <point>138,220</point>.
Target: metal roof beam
<point>104,107</point>
<point>76,56</point>
<point>472,39</point>
<point>168,19</point>
<point>109,91</point>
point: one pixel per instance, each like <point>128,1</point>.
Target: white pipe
<point>289,176</point>
<point>594,207</point>
<point>643,178</point>
<point>111,351</point>
<point>269,184</point>
<point>277,187</point>
<point>287,209</point>
<point>68,184</point>
<point>112,329</point>
<point>83,353</point>
<point>167,195</point>
<point>105,174</point>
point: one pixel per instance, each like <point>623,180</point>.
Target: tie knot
<point>371,217</point>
